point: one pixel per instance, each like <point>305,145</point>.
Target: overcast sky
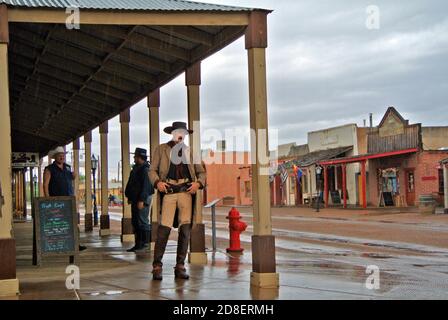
<point>325,68</point>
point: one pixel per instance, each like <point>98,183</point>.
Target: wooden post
<point>32,189</point>
<point>24,193</point>
<point>76,148</point>
<point>88,216</point>
<point>364,184</point>
<point>104,219</point>
<point>39,179</point>
<point>197,253</point>
<point>154,141</point>
<point>326,186</point>
<point>127,233</point>
<point>9,284</point>
<point>344,184</point>
<point>263,242</point>
<point>445,186</point>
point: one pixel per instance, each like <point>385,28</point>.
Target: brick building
<point>228,177</point>
<point>402,163</point>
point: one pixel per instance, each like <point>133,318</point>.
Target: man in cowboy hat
<point>58,177</point>
<point>177,180</point>
<point>138,191</point>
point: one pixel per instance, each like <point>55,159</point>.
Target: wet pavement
<point>311,265</point>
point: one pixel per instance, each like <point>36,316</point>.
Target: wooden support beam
<point>4,25</point>
<point>153,103</point>
<point>88,217</point>
<point>193,75</point>
<point>344,184</point>
<point>105,220</point>
<point>257,30</point>
<point>132,17</point>
<point>363,184</point>
<point>188,34</point>
<point>326,198</point>
<point>127,234</point>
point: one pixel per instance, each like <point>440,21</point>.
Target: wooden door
<point>410,187</point>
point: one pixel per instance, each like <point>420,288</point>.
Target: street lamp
<point>318,174</point>
<point>35,185</point>
<point>94,162</point>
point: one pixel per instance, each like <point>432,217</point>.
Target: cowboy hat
<point>141,152</point>
<point>56,151</point>
<point>177,125</point>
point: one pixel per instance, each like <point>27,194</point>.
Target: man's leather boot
<point>163,233</point>
<point>182,249</point>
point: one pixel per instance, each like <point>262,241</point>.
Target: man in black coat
<point>139,193</point>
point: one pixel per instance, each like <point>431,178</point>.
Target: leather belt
<point>177,186</point>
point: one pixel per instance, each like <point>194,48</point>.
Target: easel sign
<point>55,227</point>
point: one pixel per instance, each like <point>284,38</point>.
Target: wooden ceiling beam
<point>187,33</point>
<point>46,136</point>
<point>77,38</point>
<point>110,91</point>
<point>128,72</point>
<point>220,40</point>
<point>147,43</point>
<point>137,59</point>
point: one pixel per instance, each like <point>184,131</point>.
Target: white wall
<point>342,136</point>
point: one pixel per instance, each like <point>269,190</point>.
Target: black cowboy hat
<point>177,125</point>
<point>141,152</point>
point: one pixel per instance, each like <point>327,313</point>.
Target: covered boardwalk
<point>65,71</point>
<point>356,159</point>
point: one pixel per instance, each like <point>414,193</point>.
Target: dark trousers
<point>140,218</point>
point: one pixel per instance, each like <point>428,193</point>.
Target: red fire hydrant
<point>235,228</point>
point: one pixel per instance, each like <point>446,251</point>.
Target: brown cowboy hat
<point>177,125</point>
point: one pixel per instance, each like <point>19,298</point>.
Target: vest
<point>61,181</point>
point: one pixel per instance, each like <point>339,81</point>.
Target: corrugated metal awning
<point>151,5</point>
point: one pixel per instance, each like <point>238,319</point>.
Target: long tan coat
<point>160,165</point>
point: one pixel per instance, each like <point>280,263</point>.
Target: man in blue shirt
<point>58,178</point>
<point>138,191</point>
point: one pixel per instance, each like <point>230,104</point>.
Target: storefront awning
<point>365,157</point>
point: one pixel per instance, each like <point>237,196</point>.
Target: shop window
<point>389,181</point>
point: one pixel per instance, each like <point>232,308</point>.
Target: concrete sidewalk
<point>108,272</point>
<point>320,265</point>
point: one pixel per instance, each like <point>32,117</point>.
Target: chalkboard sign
<point>388,199</point>
<point>335,197</point>
<point>55,223</point>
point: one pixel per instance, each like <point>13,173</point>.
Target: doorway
<point>410,187</point>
